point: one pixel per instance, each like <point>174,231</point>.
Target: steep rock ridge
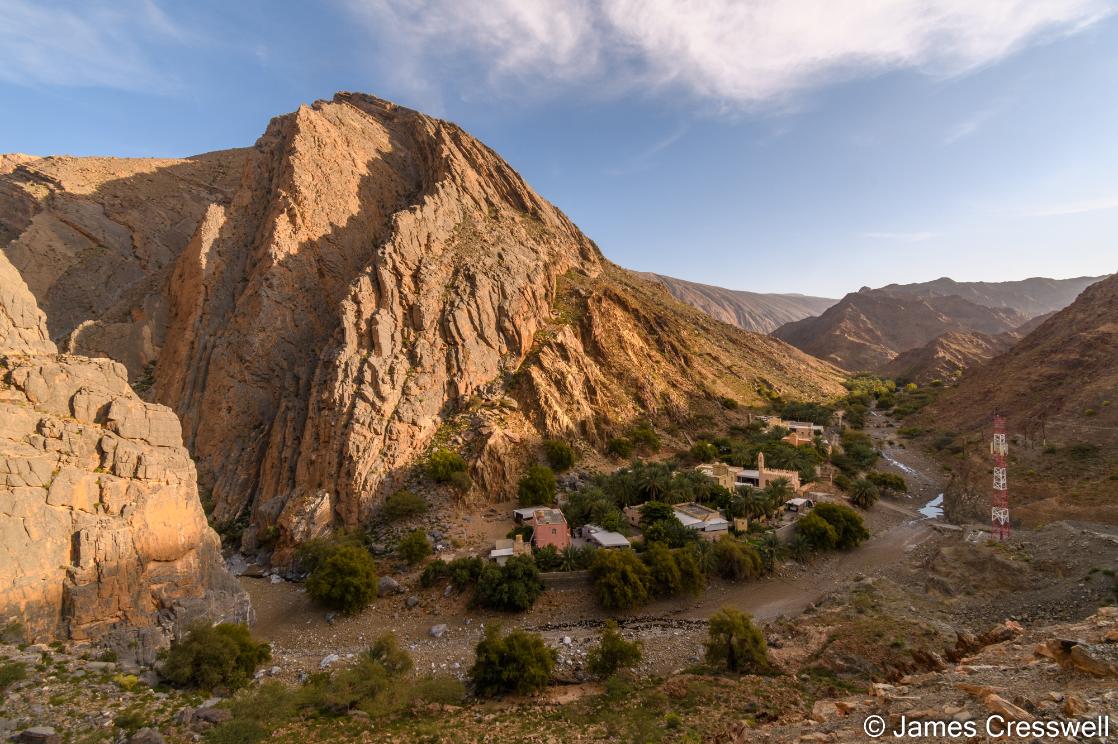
<point>1058,388</point>
<point>752,311</point>
<point>947,356</point>
<point>376,280</point>
<point>95,239</point>
<point>102,536</point>
<point>1030,297</point>
<point>867,329</point>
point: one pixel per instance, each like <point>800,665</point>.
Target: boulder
<point>388,586</point>
<point>146,736</point>
<point>39,735</point>
<point>212,715</point>
<point>329,660</point>
<point>1096,659</point>
<point>437,631</point>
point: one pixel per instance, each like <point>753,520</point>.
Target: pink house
<point>549,528</point>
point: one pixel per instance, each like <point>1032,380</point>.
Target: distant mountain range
<point>753,311</point>
<point>870,328</point>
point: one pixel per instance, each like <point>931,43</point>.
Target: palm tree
<point>777,492</point>
<point>863,493</point>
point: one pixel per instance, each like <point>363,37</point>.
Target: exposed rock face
<point>1030,297</point>
<point>752,311</point>
<point>947,356</point>
<point>377,274</point>
<point>102,536</point>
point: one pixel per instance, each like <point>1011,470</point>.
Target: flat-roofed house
<point>702,518</point>
<point>549,527</point>
<point>602,538</point>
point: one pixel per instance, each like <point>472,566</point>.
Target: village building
<point>731,477</point>
<point>504,549</point>
<point>549,527</point>
<point>600,537</point>
<point>701,518</point>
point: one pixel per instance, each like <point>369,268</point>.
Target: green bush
<point>211,656</point>
<point>519,662</point>
<point>665,579</point>
<point>703,452</point>
<point>548,558</point>
<point>559,454</point>
<point>734,560</point>
<point>843,481</point>
<point>816,532</point>
<point>11,672</point>
<point>888,482</point>
<point>728,403</point>
<point>414,547</point>
<point>465,571</point>
<point>344,579</point>
<point>735,643</point>
<point>237,731</point>
<point>620,447</point>
<point>434,572</point>
<point>656,511</point>
<point>644,437</point>
<point>863,493</point>
<point>403,504</point>
<point>620,579</point>
<point>537,486</point>
<point>850,530</point>
<point>612,653</point>
<point>443,467</point>
<point>513,587</point>
<point>690,570</point>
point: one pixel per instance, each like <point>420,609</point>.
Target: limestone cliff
<point>102,536</point>
<point>374,276</point>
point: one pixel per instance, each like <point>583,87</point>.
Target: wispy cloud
<point>970,125</point>
<point>1099,204</point>
<point>645,159</point>
<point>901,237</point>
<point>94,43</point>
<point>734,52</point>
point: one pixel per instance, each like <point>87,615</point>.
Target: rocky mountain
<point>753,311</point>
<point>866,330</point>
<point>946,356</point>
<point>365,282</point>
<point>1030,297</point>
<point>102,535</point>
<point>1058,388</point>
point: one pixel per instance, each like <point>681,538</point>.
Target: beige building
<point>731,477</point>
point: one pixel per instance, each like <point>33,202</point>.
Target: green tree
<point>816,532</point>
<point>210,656</point>
<point>519,662</point>
<point>414,547</point>
<point>443,464</point>
<point>612,653</point>
<point>559,454</point>
<point>887,482</point>
<point>548,558</point>
<point>537,486</point>
<point>703,452</point>
<point>665,579</point>
<point>770,550</point>
<point>735,643</point>
<point>850,530</point>
<point>644,437</point>
<point>619,447</point>
<point>777,492</point>
<point>691,573</point>
<point>403,504</point>
<point>734,560</point>
<point>656,511</point>
<point>345,579</point>
<point>863,493</point>
<point>513,587</point>
<point>620,579</point>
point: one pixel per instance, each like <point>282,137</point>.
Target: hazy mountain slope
<point>867,329</point>
<point>376,281</point>
<point>1058,386</point>
<point>753,311</point>
<point>946,356</point>
<point>1030,297</point>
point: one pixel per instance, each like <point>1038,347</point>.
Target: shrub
<point>612,653</point>
<point>735,643</point>
<point>644,437</point>
<point>519,662</point>
<point>850,530</point>
<point>209,656</point>
<point>433,572</point>
<point>559,454</point>
<point>665,579</point>
<point>513,587</point>
<point>863,493</point>
<point>690,570</point>
<point>656,511</point>
<point>537,486</point>
<point>414,547</point>
<point>11,672</point>
<point>465,571</point>
<point>620,447</point>
<point>345,579</point>
<point>728,403</point>
<point>620,579</point>
<point>703,452</point>
<point>548,558</point>
<point>237,731</point>
<point>448,467</point>
<point>888,482</point>
<point>403,504</point>
<point>843,481</point>
<point>734,560</point>
<point>816,532</point>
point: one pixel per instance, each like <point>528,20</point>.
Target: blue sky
<point>796,146</point>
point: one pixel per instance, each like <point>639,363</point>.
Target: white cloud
<point>736,52</point>
<point>1098,204</point>
<point>900,237</point>
<point>969,126</point>
<point>91,43</point>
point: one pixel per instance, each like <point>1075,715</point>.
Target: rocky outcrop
<point>102,536</point>
<point>947,356</point>
<point>376,278</point>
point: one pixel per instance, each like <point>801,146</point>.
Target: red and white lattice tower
<point>999,512</point>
